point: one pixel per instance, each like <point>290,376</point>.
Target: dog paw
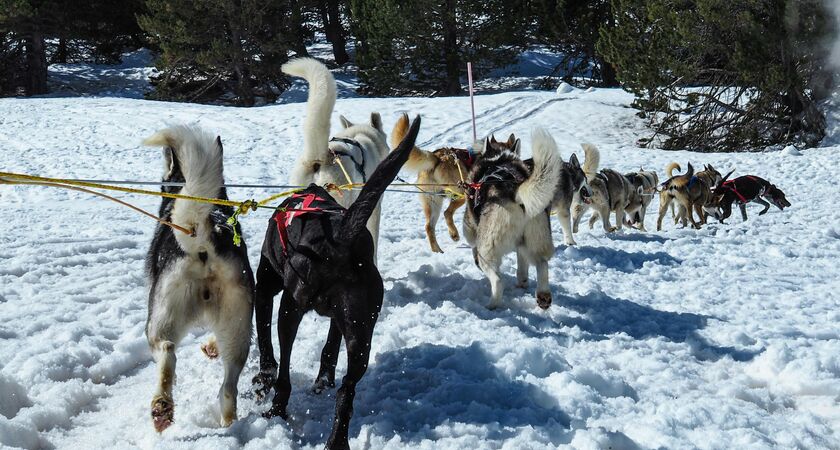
<point>436,249</point>
<point>263,382</point>
<point>322,384</point>
<point>163,413</point>
<point>522,284</point>
<point>211,349</point>
<point>276,411</point>
<point>228,419</point>
<point>570,242</point>
<point>611,229</point>
<point>544,299</point>
<point>454,235</point>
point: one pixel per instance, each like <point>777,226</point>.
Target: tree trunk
<point>450,48</point>
<point>36,62</point>
<point>608,74</point>
<point>60,56</point>
<point>243,88</point>
<point>331,17</point>
<point>298,41</point>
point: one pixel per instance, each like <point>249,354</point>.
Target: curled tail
<point>591,160</point>
<point>420,160</point>
<point>196,154</point>
<point>319,108</point>
<point>355,220</point>
<point>536,193</point>
<point>671,167</point>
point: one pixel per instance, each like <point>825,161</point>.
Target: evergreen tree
<point>724,74</point>
<point>423,46</point>
<point>220,50</point>
<point>572,27</point>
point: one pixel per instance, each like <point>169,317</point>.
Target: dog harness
<point>730,184</point>
<point>500,174</point>
<point>465,155</point>
<point>360,166</point>
<point>284,216</point>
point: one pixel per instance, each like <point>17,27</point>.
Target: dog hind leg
<point>431,208</point>
<point>358,335</point>
<point>565,216</point>
<point>450,222</point>
<point>490,267</point>
<point>269,284</point>
<point>521,269</point>
<point>329,359</point>
<point>286,332</point>
<point>234,339</point>
<point>163,406</point>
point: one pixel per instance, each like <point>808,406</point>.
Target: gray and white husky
<point>507,210</point>
<point>645,182</point>
<point>571,184</point>
<point>611,193</point>
<point>198,280</point>
<point>359,147</point>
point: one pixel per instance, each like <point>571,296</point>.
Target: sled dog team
<point>320,251</point>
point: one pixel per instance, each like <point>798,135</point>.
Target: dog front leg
<point>566,224</point>
<point>743,208</point>
<point>287,325</point>
<point>521,270</point>
<point>543,289</point>
<point>605,220</point>
<point>619,217</point>
<point>329,359</point>
<point>577,214</point>
<point>762,203</point>
<point>269,283</point>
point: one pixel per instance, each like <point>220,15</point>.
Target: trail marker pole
<point>472,101</point>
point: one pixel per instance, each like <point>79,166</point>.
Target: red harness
<point>731,186</point>
<point>284,216</point>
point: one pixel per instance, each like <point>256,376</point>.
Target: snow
<point>724,337</point>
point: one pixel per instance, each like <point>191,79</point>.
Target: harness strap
<point>284,216</point>
<point>360,167</point>
<point>606,181</point>
<point>731,186</point>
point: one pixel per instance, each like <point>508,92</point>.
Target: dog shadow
<point>617,259</point>
<point>433,384</point>
<point>599,316</point>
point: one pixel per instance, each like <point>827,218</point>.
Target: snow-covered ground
<point>726,337</point>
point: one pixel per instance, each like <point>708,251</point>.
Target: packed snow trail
<point>725,337</point>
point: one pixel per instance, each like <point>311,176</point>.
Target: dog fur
<point>324,262</point>
<point>611,193</point>
<point>645,182</point>
<point>360,147</point>
<point>750,188</point>
<point>509,212</point>
<point>196,280</point>
<point>691,192</point>
<point>572,184</point>
<point>443,167</point>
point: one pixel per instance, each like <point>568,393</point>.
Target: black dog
<point>745,189</point>
<point>322,257</point>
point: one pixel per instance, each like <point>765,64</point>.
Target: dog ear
<point>574,161</point>
<point>376,121</point>
<point>170,163</point>
<point>726,177</point>
<point>486,146</point>
<point>219,144</point>
<point>517,146</point>
<point>493,139</point>
<point>511,140</point>
<point>344,122</point>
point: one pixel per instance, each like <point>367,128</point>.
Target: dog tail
<point>419,160</point>
<point>591,160</point>
<point>319,108</point>
<point>355,220</point>
<point>536,193</point>
<point>671,167</point>
<point>198,156</point>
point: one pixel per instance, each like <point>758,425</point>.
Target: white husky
<point>360,148</point>
<point>203,279</point>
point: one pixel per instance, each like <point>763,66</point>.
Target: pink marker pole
<point>472,102</point>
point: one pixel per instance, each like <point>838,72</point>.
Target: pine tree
<point>423,46</point>
<point>220,50</point>
<point>724,74</point>
<point>572,27</point>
